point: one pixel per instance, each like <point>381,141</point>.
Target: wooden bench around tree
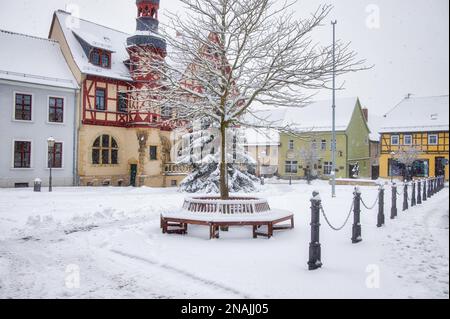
<point>216,213</point>
<point>177,223</point>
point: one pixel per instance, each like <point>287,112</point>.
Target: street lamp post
<point>51,145</point>
<point>333,141</point>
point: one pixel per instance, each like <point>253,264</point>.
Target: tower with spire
<point>146,47</point>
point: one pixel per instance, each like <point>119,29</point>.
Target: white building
<point>37,101</point>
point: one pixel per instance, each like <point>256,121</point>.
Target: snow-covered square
<point>107,243</point>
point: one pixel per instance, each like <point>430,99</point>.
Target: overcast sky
<point>406,40</point>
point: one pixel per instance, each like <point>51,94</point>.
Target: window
<point>153,153</point>
<point>122,102</point>
<point>101,58</point>
<point>314,145</point>
<point>407,139</point>
<point>395,140</point>
<point>396,168</point>
<point>432,139</point>
<point>95,57</point>
<point>22,110</point>
<point>55,156</point>
<point>22,154</point>
<point>105,60</point>
<point>267,150</point>
<point>323,145</point>
<point>100,95</point>
<point>291,144</point>
<point>105,151</point>
<point>327,168</point>
<point>291,167</point>
<point>55,110</point>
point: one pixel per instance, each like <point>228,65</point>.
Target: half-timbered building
<point>421,124</point>
<point>120,142</point>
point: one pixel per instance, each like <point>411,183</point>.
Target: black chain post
<point>314,246</point>
<point>380,217</point>
<point>405,196</point>
<point>413,194</point>
<point>419,192</point>
<point>424,196</point>
<point>356,229</point>
<point>394,201</point>
<point>429,188</point>
<point>436,184</point>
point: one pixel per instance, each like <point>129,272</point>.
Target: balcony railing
<point>177,169</point>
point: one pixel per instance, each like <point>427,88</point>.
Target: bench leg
<point>213,231</point>
<point>292,222</point>
<point>164,225</point>
<point>255,228</point>
<point>269,230</point>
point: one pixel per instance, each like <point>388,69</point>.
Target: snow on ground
<point>111,237</point>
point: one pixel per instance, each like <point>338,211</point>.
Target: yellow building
<point>119,142</point>
<point>420,127</point>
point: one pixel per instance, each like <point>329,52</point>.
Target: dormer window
<point>100,58</point>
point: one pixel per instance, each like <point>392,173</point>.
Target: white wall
<point>37,131</point>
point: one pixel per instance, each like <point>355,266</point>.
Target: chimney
<point>366,114</point>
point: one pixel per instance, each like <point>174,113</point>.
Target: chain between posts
<point>346,220</point>
<point>374,204</point>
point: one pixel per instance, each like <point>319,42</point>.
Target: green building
<point>308,151</point>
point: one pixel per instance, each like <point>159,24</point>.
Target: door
<point>375,172</point>
<point>133,173</point>
<point>439,166</point>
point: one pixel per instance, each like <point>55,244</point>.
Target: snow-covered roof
<point>315,117</point>
<point>33,60</point>
<point>416,114</point>
<point>375,123</point>
<point>255,137</point>
<point>98,36</point>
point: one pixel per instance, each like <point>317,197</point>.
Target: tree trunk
<point>224,191</point>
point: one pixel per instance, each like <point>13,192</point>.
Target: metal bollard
<point>413,194</point>
<point>380,216</point>
<point>394,201</point>
<point>37,185</point>
<point>429,188</point>
<point>356,229</point>
<point>314,246</point>
<point>405,196</point>
<point>424,195</point>
<point>419,192</point>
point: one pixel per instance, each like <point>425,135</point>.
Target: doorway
<point>133,174</point>
<point>375,172</point>
<point>439,166</point>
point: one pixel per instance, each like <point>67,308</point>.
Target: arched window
<point>105,151</point>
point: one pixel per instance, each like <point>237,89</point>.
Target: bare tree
<point>407,155</point>
<point>230,55</point>
<point>310,157</point>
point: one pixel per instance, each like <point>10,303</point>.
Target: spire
<point>147,26</point>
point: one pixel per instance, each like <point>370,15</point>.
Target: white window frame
<point>47,167</point>
<point>398,140</point>
<point>14,140</point>
<point>404,139</point>
<point>14,107</point>
<point>327,165</point>
<point>291,165</point>
<point>291,145</point>
<point>435,136</point>
<point>48,110</point>
<point>323,145</point>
